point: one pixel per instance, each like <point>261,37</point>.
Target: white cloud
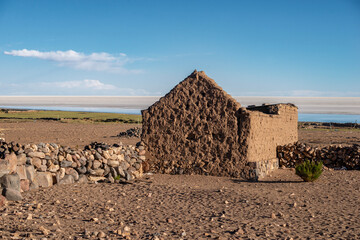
<point>87,83</point>
<point>94,61</point>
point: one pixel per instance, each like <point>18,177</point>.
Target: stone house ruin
<point>197,128</point>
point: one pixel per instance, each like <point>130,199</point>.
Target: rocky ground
<point>191,207</point>
<point>182,207</point>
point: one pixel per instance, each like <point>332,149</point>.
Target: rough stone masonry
<point>30,166</point>
<point>197,128</point>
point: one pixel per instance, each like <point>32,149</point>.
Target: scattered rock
<point>44,230</point>
<point>132,132</point>
<point>101,234</point>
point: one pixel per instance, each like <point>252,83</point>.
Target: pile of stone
<point>333,156</point>
<point>132,132</point>
<point>26,167</point>
<point>327,125</point>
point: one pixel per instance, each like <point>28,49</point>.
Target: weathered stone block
<point>43,179</point>
<point>67,179</point>
<point>33,186</point>
<point>21,171</point>
<point>83,179</point>
<point>21,159</point>
<point>36,162</point>
<point>8,164</point>
<point>30,172</point>
<point>10,181</point>
<point>36,154</point>
<point>12,194</point>
<point>72,172</point>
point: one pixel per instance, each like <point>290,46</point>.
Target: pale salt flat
<point>330,106</point>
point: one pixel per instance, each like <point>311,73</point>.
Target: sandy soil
<point>188,207</point>
<point>66,134</point>
<point>192,207</point>
<point>323,137</point>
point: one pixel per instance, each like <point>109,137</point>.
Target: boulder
<point>43,179</point>
<point>12,194</point>
<point>30,172</point>
<point>83,179</point>
<point>33,186</point>
<point>8,164</point>
<point>10,181</point>
<point>72,172</point>
<point>21,159</point>
<point>67,179</point>
<point>37,162</point>
<point>21,171</point>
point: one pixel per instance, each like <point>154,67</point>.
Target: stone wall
<point>339,157</point>
<point>197,128</point>
<point>26,167</point>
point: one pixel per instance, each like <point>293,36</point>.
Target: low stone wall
<point>26,167</point>
<point>332,156</point>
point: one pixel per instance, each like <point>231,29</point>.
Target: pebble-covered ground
<point>182,207</point>
<point>191,207</point>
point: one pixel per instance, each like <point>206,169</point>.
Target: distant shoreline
<point>317,119</point>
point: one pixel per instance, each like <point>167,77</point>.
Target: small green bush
<point>309,171</point>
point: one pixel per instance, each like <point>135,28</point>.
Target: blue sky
<point>250,48</point>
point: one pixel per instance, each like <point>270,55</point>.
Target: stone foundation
<point>264,168</point>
